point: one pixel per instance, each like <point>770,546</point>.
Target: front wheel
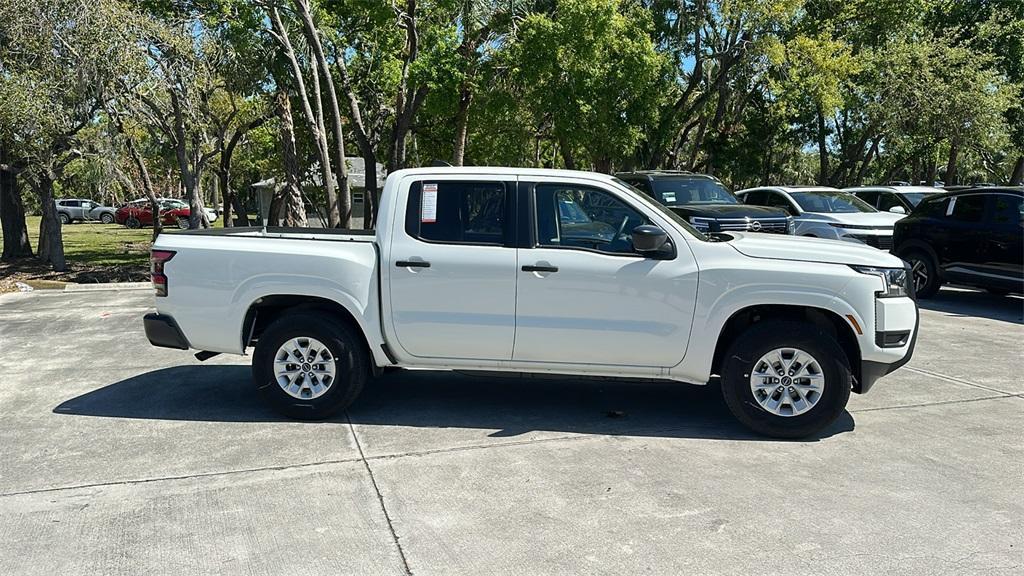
<point>786,379</point>
<point>924,272</point>
<point>309,366</point>
<point>107,218</point>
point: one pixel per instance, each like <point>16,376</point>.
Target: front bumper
<point>871,371</point>
<point>163,331</point>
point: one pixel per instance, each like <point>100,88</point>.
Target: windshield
<point>915,197</point>
<point>668,213</point>
<point>831,202</point>
<point>681,191</point>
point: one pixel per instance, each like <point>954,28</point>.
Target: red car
<point>139,213</point>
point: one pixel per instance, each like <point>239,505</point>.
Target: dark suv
<point>705,203</point>
<point>973,237</point>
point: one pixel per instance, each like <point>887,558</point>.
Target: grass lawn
<point>95,253</point>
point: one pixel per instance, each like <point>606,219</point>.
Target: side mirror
<point>651,241</point>
<point>898,210</point>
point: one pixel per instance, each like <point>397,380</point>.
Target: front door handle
<point>412,264</point>
<point>539,268</point>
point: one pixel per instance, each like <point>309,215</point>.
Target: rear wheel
<point>64,218</point>
<point>786,379</point>
<point>132,222</point>
<point>924,272</point>
<point>182,223</point>
<point>309,366</point>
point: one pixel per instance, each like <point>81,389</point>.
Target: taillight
<point>157,259</point>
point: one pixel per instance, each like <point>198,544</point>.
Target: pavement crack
<point>380,497</point>
<point>179,477</point>
<point>955,380</point>
<point>939,403</point>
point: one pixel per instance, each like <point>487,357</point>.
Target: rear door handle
<point>412,264</point>
<point>538,268</point>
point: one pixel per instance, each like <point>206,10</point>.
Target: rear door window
<point>1007,209</point>
<point>968,208</point>
<point>459,212</point>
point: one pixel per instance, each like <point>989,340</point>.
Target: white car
<point>895,199</point>
<point>487,269</point>
<point>822,212</point>
<point>211,214</point>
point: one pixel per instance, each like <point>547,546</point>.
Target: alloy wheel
<point>304,368</point>
<point>787,382</point>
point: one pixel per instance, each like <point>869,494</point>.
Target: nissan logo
<point>755,225</point>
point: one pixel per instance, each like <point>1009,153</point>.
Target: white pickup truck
<point>539,271</point>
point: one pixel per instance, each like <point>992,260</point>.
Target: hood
<point>727,211</point>
<point>879,219</point>
<point>805,249</point>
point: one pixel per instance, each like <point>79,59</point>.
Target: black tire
<point>133,223</point>
<point>64,218</point>
<point>763,337</point>
<point>345,345</point>
<point>182,223</point>
<point>921,260</point>
<point>107,218</point>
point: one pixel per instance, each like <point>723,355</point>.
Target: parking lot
<point>120,458</point>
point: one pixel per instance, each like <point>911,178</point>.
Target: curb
<point>99,287</point>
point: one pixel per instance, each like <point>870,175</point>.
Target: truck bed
<point>217,274</point>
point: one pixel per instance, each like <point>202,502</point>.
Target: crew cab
<point>494,269</point>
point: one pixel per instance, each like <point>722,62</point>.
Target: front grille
<point>880,242</point>
<point>768,225</point>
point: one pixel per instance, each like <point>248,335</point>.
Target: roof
<point>789,189</point>
<point>503,171</point>
<point>982,190</point>
<point>897,189</point>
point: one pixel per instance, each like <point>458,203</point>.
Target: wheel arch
<point>265,310</point>
<point>823,318</point>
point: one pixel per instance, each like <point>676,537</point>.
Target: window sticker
<point>428,206</point>
<point>670,196</point>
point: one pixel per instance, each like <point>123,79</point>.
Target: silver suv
<point>83,210</point>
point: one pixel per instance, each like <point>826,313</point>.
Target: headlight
<point>894,280</point>
<point>700,223</point>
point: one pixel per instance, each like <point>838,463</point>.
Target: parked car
<point>82,209</point>
<point>472,269</point>
<point>706,203</point>
<point>827,213</point>
<point>972,237</point>
<point>173,212</point>
<point>895,199</point>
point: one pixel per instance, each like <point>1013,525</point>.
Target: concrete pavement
<point>120,458</point>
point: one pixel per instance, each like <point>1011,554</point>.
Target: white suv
<point>823,212</point>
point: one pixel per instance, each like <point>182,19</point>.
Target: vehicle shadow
<point>509,406</point>
<point>976,304</point>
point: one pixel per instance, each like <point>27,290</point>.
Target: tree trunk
<point>344,206</point>
<point>822,149</point>
<point>12,215</point>
<point>461,125</point>
<point>954,151</point>
<point>1018,172</point>
<point>51,243</point>
<point>316,127</point>
<point>287,208</point>
<point>566,150</point>
<point>365,147</point>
